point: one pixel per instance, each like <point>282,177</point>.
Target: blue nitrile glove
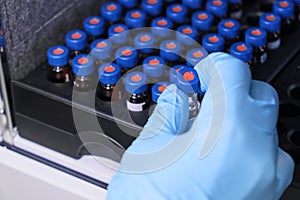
<point>229,152</point>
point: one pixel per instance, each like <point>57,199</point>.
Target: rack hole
<point>294,91</point>
<point>288,110</point>
<point>294,137</point>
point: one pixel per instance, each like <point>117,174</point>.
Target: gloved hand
<point>230,151</point>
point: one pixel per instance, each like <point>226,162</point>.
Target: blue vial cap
<point>194,56</point>
<point>229,28</point>
<point>234,1</point>
<point>76,40</point>
<point>256,36</point>
<point>111,11</point>
<point>1,37</point>
<point>170,50</point>
<point>152,7</point>
<point>136,82</point>
<point>177,13</point>
<point>284,8</point>
<point>297,2</point>
<point>144,42</point>
<point>135,18</point>
<point>83,65</point>
<point>271,22</point>
<point>58,56</point>
<point>187,35</point>
<point>192,4</point>
<point>213,42</point>
<point>188,80</point>
<point>217,7</point>
<point>202,20</point>
<point>94,25</point>
<point>154,66</point>
<point>127,57</point>
<point>109,73</point>
<point>128,3</point>
<point>101,49</point>
<point>161,27</point>
<point>158,89</point>
<point>118,33</point>
<point>173,72</point>
<point>242,50</point>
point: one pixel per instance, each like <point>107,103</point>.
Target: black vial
<point>83,68</point>
<point>257,37</point>
<point>109,75</point>
<point>58,59</point>
<point>271,22</point>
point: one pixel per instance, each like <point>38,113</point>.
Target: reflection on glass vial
<point>83,67</point>
<point>58,59</point>
<point>194,56</point>
<point>188,82</point>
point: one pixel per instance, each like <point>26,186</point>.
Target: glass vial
<point>158,89</point>
<point>194,56</point>
<point>58,59</point>
<point>111,12</point>
<point>128,4</point>
<point>76,41</point>
<point>188,81</point>
<point>173,72</point>
<point>83,68</point>
<point>203,21</point>
<point>286,10</point>
<point>257,37</point>
<point>101,51</point>
<point>154,67</point>
<point>178,14</point>
<point>109,75</point>
<point>213,42</point>
<point>271,22</point>
<point>170,51</point>
<point>145,44</point>
<point>119,35</point>
<point>94,26</point>
<point>229,29</point>
<point>218,8</point>
<point>242,51</point>
<point>136,88</point>
<point>192,5</point>
<point>187,35</point>
<point>2,51</point>
<point>152,7</point>
<point>136,18</point>
<point>126,58</point>
<point>297,9</point>
<point>161,28</point>
<point>235,9</point>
